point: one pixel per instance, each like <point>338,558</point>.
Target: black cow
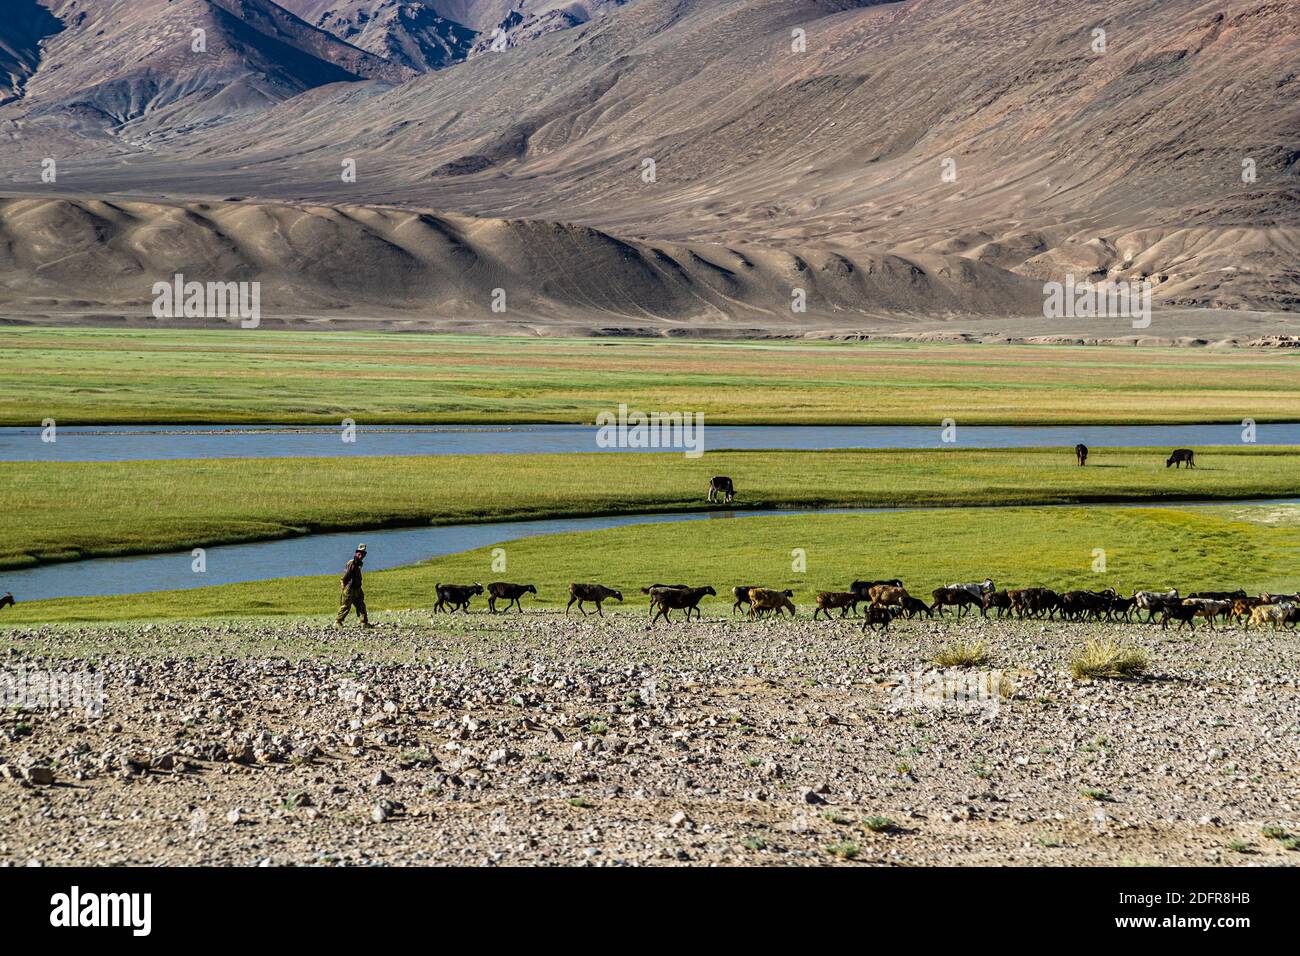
<point>1181,455</point>
<point>1081,452</point>
<point>7,599</point>
<point>721,485</point>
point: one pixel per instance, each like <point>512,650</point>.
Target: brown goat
<point>668,599</point>
<point>958,597</point>
<point>511,593</point>
<point>652,588</point>
<point>741,594</point>
<point>1000,600</point>
<point>596,593</point>
<point>1208,609</point>
<point>886,595</point>
<point>844,600</point>
<point>770,599</point>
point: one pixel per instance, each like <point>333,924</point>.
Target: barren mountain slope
<point>27,24</point>
<point>407,32</point>
<point>431,34</point>
<point>1127,163</point>
<point>316,260</point>
<point>133,67</point>
<point>1010,135</point>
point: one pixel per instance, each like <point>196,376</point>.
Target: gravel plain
<point>532,739</point>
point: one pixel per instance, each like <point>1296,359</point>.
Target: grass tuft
<point>963,654</point>
<point>843,851</point>
<point>1109,660</point>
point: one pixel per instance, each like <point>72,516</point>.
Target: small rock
<point>40,776</point>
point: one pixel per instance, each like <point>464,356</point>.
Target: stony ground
<point>541,740</point>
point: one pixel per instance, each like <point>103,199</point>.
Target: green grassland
<point>264,376</point>
<point>67,510</point>
<point>1204,547</point>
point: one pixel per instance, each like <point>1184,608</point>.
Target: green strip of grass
<point>236,376</point>
<point>65,510</point>
<point>1215,547</point>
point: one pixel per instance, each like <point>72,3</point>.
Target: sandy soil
<point>540,740</point>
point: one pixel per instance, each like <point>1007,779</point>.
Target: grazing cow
<point>1081,453</point>
<point>879,617</point>
<point>976,590</point>
<point>1275,614</point>
<point>682,599</point>
<point>958,597</point>
<point>455,597</point>
<point>769,599</point>
<point>914,606</point>
<point>1153,601</point>
<point>1000,600</point>
<point>510,593</point>
<point>596,593</point>
<point>7,599</point>
<point>1179,456</point>
<point>844,600</point>
<point>721,485</point>
<point>888,595</point>
<point>864,587</point>
<point>741,593</point>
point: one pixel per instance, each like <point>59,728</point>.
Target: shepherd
<point>352,596</point>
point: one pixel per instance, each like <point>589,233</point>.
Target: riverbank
<point>230,377</point>
<point>74,510</point>
<point>1201,548</point>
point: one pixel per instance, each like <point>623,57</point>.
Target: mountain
<point>427,35</point>
<point>27,25</point>
<point>404,266</point>
<point>142,68</point>
<point>406,32</point>
<point>1009,144</point>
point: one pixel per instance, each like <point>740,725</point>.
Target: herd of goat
<point>886,600</point>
